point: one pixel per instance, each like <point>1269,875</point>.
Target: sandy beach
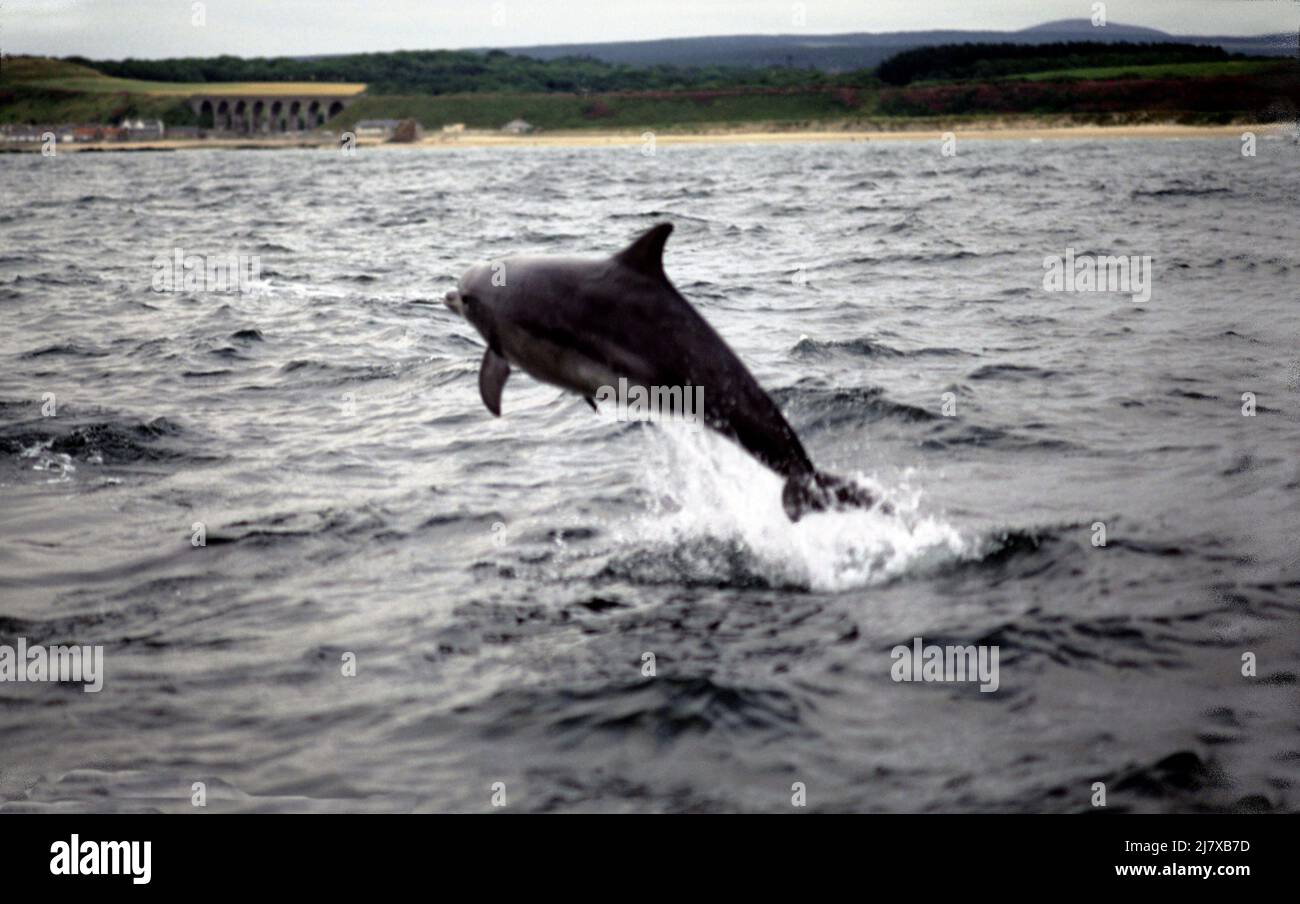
<point>1004,130</point>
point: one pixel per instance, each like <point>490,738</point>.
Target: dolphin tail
<point>819,491</point>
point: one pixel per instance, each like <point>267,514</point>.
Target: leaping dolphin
<point>583,324</point>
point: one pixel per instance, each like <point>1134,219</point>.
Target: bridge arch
<point>265,114</point>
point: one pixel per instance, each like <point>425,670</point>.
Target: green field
<point>34,89</point>
<point>61,75</point>
<point>1166,70</point>
<point>37,104</point>
<point>610,111</point>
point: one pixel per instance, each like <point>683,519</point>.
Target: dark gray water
<point>499,581</point>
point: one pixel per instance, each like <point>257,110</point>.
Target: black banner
<point>333,853</point>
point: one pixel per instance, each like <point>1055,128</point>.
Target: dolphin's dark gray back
<point>624,312</point>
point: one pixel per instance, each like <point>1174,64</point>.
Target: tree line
<point>456,72</point>
<point>963,62</point>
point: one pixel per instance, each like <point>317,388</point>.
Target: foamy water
<point>709,492</point>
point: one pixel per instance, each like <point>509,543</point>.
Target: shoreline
<point>1009,130</point>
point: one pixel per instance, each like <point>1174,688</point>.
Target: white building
<point>375,128</point>
<point>143,130</point>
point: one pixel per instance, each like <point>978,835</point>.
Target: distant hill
<point>1084,30</point>
<point>842,52</point>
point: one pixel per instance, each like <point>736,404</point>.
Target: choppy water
<point>500,580</point>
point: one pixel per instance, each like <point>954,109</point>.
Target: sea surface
<point>243,496</point>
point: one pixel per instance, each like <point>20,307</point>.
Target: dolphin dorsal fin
<point>646,254</point>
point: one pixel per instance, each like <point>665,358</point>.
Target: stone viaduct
<point>251,114</point>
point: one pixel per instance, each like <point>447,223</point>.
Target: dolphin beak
<point>452,300</point>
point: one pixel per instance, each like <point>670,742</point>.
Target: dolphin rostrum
<point>583,325</point>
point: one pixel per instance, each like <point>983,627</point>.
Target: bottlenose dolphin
<point>583,324</point>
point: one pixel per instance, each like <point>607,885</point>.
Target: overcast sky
<point>113,29</point>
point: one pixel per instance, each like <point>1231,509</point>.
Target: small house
<point>375,128</point>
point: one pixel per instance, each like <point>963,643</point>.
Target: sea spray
<point>708,493</point>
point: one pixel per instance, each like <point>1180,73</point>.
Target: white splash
<point>707,489</point>
<point>58,463</point>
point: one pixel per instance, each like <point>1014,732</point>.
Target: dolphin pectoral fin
<point>592,403</point>
<point>491,379</point>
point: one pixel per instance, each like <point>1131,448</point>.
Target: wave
<point>949,433</point>
<point>70,349</point>
<point>816,407</point>
<point>338,373</point>
<point>1176,774</point>
<point>67,439</point>
<point>667,707</point>
<point>863,348</point>
<point>1020,170</point>
<point>1013,372</point>
<point>1179,192</point>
